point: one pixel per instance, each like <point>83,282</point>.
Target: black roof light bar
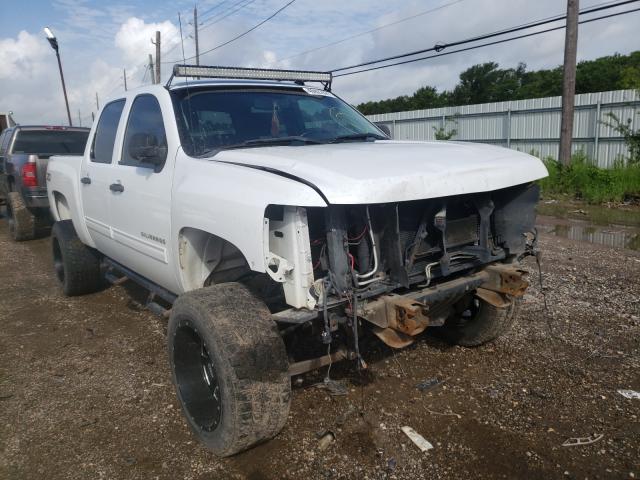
<point>201,71</point>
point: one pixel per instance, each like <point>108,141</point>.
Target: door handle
<point>116,187</point>
<point>85,180</point>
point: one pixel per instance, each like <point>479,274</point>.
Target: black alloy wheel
<point>196,378</point>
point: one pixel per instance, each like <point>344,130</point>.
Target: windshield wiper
<point>368,137</point>
<point>286,140</point>
<point>260,142</point>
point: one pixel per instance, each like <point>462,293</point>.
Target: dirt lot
<point>85,389</point>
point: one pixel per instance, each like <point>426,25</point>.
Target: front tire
<point>76,265</point>
<point>229,366</point>
<point>476,322</point>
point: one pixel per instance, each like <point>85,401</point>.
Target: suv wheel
<point>229,367</point>
<point>477,322</point>
<point>77,266</point>
<point>22,223</point>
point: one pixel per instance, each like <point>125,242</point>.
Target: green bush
<point>586,181</point>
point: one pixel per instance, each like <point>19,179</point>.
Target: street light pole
<point>53,41</point>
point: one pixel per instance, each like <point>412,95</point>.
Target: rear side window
<point>145,134</point>
<point>50,142</point>
<point>105,137</point>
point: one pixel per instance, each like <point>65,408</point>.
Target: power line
<point>242,34</point>
<point>231,7</point>
<point>496,42</point>
<point>351,37</point>
<point>206,12</point>
<point>337,42</point>
<point>204,25</point>
<point>442,46</point>
<point>219,19</point>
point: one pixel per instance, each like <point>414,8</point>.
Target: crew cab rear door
<point>140,196</point>
<point>96,173</point>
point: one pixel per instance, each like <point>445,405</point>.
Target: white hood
<point>394,171</point>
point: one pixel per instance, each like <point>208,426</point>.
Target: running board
<point>111,267</point>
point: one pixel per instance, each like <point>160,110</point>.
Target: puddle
<point>616,236</point>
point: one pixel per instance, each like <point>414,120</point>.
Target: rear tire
<point>479,322</point>
<point>229,366</point>
<point>77,266</point>
<point>22,223</point>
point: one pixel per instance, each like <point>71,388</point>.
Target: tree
<point>487,82</point>
<point>427,97</point>
<point>476,84</point>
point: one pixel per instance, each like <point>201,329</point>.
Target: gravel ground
<point>85,388</point>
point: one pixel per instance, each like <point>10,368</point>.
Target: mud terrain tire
<point>229,366</point>
<point>77,266</point>
<point>22,223</point>
<point>484,323</point>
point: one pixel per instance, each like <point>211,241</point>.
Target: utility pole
<point>569,81</point>
<point>195,27</point>
<point>79,118</point>
<point>157,44</point>
<point>97,103</point>
<point>153,75</point>
<point>124,75</point>
<point>93,117</point>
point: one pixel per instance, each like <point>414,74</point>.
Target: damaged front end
<point>397,268</point>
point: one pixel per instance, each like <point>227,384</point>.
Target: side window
<point>145,140</point>
<point>105,137</point>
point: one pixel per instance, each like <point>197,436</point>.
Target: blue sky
<point>100,38</point>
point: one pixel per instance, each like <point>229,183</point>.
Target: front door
<point>140,200</point>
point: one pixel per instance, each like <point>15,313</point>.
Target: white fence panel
<point>531,125</point>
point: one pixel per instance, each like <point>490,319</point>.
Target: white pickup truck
<point>279,230</point>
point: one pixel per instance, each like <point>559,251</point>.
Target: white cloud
<point>22,57</point>
<point>135,37</point>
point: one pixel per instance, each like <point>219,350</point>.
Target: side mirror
<point>144,148</point>
<point>385,129</point>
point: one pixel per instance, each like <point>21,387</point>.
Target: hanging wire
<point>497,42</point>
<point>237,37</point>
<point>442,46</point>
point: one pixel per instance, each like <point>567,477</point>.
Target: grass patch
<point>562,206</point>
<point>587,182</point>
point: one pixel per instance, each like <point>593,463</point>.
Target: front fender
<point>229,201</point>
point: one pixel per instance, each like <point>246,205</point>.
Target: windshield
<point>50,142</point>
<point>212,120</point>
